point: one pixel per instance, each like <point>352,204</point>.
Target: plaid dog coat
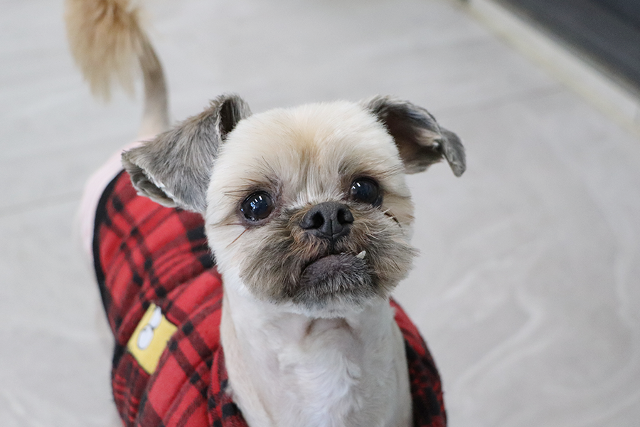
<point>163,297</point>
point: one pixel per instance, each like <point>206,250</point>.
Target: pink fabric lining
<point>93,189</point>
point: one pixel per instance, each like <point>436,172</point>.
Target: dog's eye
<point>365,190</point>
<point>257,206</point>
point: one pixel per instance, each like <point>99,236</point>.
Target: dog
<point>308,217</point>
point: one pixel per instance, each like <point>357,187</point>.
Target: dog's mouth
<point>335,277</point>
<point>327,262</point>
<point>332,264</point>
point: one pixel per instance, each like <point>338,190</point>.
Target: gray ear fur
<point>174,168</point>
<point>420,140</point>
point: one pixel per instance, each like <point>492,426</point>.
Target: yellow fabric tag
<point>150,338</point>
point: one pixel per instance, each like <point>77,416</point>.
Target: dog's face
<point>311,207</point>
<point>306,208</point>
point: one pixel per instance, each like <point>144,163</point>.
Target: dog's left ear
<point>174,169</point>
<point>420,140</point>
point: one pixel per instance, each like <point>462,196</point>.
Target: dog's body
<point>309,218</point>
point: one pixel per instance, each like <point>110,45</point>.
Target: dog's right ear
<point>174,168</point>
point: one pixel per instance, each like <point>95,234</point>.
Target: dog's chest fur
<point>328,372</point>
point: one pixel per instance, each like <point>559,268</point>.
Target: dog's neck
<point>288,369</point>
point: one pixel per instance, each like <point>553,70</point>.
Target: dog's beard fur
<point>293,266</point>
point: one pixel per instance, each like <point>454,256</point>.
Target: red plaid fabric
<point>145,253</point>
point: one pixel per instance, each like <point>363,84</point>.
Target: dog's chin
<point>335,284</point>
<point>335,273</point>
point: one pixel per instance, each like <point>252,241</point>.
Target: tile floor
<point>528,284</point>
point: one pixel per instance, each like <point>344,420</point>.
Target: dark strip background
<point>605,31</point>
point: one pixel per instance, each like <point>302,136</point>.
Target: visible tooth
<point>361,254</point>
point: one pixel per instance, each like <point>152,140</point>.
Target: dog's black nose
<point>329,220</point>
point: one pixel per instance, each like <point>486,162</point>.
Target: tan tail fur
<point>110,46</point>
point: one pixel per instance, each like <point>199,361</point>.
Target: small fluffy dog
<point>309,217</point>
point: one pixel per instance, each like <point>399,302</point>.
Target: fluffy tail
<point>109,45</point>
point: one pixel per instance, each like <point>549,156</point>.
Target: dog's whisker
<point>368,230</point>
<point>223,223</point>
<point>236,239</point>
<point>390,215</point>
<point>234,192</point>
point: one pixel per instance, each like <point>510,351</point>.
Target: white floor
<point>528,287</point>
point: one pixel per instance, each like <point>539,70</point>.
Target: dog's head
<point>306,207</point>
